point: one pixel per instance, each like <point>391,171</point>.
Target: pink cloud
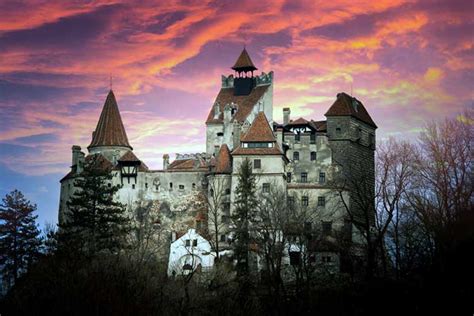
<point>407,61</point>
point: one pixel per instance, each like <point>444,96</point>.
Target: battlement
<point>195,156</point>
<point>260,80</point>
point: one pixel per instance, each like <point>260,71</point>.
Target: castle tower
<point>260,146</point>
<point>241,98</point>
<point>244,68</point>
<point>351,136</point>
<point>109,137</point>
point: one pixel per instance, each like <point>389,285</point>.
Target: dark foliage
<point>94,221</point>
<point>19,236</point>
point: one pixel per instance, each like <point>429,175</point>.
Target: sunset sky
<point>407,61</point>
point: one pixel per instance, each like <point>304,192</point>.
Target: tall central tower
<point>241,97</point>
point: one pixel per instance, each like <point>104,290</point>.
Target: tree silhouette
<point>19,236</point>
<point>94,221</point>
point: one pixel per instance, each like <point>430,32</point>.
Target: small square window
<point>266,187</point>
<point>313,156</point>
<point>257,164</point>
<point>227,191</point>
<point>296,156</point>
<point>194,186</point>
<point>295,258</point>
<point>223,238</point>
<point>307,226</point>
<point>181,187</point>
<point>195,242</point>
<point>133,186</point>
<point>188,242</point>
<point>338,130</point>
<point>322,178</point>
<point>146,185</point>
<point>321,201</point>
<point>297,137</point>
<point>288,177</point>
<point>304,177</point>
<point>305,200</point>
<point>225,219</point>
<point>327,227</point>
<point>312,139</point>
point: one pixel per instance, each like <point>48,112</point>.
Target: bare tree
<point>443,191</point>
<point>394,175</point>
<point>217,201</point>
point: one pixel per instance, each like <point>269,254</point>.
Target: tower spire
<point>110,130</point>
<point>244,62</point>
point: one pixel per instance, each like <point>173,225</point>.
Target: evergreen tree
<point>246,204</point>
<point>94,221</point>
<point>20,240</point>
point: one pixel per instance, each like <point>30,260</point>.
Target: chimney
<point>227,113</point>
<point>166,161</point>
<point>77,158</point>
<point>75,154</point>
<point>80,162</point>
<point>286,116</point>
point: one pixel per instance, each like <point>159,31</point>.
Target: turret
<point>77,158</point>
<point>244,68</point>
<point>286,116</point>
<point>109,135</point>
<point>166,161</point>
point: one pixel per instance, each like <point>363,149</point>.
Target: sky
<point>409,62</point>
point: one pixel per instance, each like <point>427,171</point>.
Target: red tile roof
<point>245,103</point>
<point>110,130</point>
<point>300,121</point>
<point>345,105</point>
<point>130,156</point>
<point>98,161</point>
<point>244,62</point>
<point>189,164</point>
<point>182,164</point>
<point>240,151</point>
<point>224,160</point>
<point>259,131</point>
<point>320,126</point>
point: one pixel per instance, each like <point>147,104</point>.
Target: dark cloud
<point>68,33</point>
<point>37,139</point>
<point>24,93</point>
<point>450,34</point>
<point>360,25</point>
<point>408,59</point>
<point>163,21</point>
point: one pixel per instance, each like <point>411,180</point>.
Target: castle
<point>297,156</point>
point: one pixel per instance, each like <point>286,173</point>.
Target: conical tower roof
<point>110,130</point>
<point>346,105</point>
<point>259,131</point>
<point>224,160</point>
<point>244,62</point>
